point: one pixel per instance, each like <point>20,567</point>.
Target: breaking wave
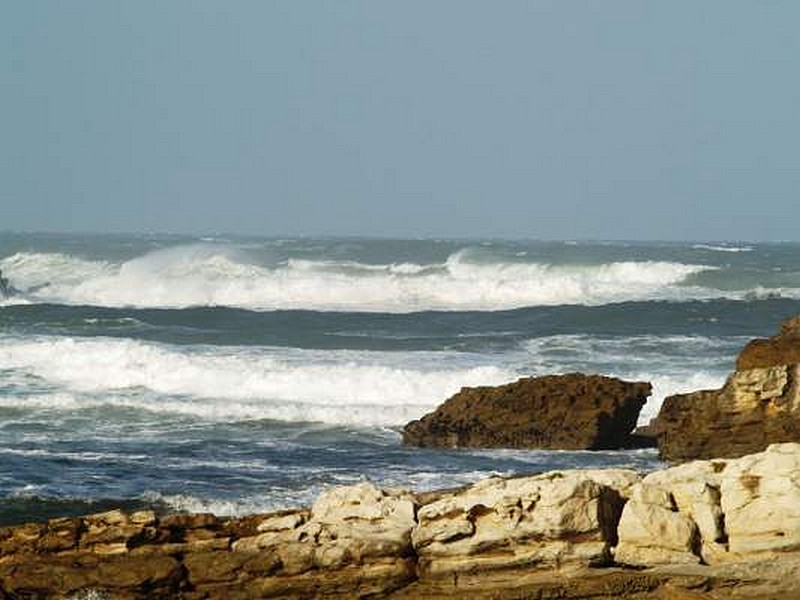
<point>720,248</point>
<point>235,384</point>
<point>210,275</point>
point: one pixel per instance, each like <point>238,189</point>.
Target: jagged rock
<point>753,409</point>
<point>781,349</point>
<point>759,405</point>
<point>540,521</point>
<point>714,511</point>
<point>573,412</point>
<point>698,530</point>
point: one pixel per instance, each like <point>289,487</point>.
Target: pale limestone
<point>548,519</point>
<point>761,500</point>
<point>653,531</point>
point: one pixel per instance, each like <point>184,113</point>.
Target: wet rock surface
<point>563,412</point>
<point>707,529</point>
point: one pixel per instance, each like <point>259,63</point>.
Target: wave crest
<point>206,275</point>
<point>336,387</point>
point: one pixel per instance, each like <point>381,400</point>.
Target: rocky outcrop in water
<point>569,412</point>
<point>758,405</point>
<point>712,529</point>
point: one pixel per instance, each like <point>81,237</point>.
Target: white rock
<point>653,531</point>
<point>761,500</point>
<point>551,518</point>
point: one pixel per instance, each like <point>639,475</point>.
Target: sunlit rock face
<point>759,405</point>
<point>563,534</point>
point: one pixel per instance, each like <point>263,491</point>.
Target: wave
<point>230,384</point>
<point>674,364</point>
<point>719,248</point>
<point>335,387</point>
<point>214,275</point>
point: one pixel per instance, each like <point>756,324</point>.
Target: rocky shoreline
<point>706,529</point>
<point>724,527</point>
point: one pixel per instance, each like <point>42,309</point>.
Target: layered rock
<point>758,405</point>
<point>707,529</point>
<point>545,521</point>
<point>715,512</point>
<point>572,412</point>
<point>354,540</point>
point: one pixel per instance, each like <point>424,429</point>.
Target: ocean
<point>241,374</point>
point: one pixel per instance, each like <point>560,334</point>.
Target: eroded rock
<point>572,412</point>
<point>715,511</point>
<point>759,405</point>
<point>695,528</point>
<point>542,521</point>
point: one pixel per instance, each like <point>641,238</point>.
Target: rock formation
<point>712,529</point>
<point>758,405</point>
<point>715,512</point>
<point>570,412</point>
<point>781,349</point>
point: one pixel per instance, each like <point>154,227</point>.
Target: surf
<point>216,275</point>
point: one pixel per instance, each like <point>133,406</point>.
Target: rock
<point>759,405</point>
<point>704,529</point>
<point>540,521</point>
<point>715,511</point>
<point>572,412</point>
<point>652,530</point>
<point>782,349</point>
<point>754,408</point>
<point>760,498</point>
<point>6,289</point>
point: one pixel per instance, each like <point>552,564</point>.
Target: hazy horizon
<point>220,235</point>
<point>629,121</point>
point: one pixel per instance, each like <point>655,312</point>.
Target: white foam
<point>341,387</point>
<point>667,385</point>
<point>236,507</point>
<point>674,364</point>
<point>718,248</point>
<point>214,274</point>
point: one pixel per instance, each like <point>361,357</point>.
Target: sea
<point>235,375</point>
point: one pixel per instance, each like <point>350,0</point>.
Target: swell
<point>431,330</point>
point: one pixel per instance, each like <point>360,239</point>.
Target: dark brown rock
<point>759,405</point>
<point>571,412</point>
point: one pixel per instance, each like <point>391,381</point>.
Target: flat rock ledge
<point>558,412</point>
<point>707,529</point>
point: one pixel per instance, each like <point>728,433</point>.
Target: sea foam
<point>229,384</point>
<point>214,275</point>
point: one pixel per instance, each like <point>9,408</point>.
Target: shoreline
<point>598,533</point>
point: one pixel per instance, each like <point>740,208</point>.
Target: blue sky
<point>542,119</point>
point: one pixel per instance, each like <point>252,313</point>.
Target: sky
<point>560,119</point>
